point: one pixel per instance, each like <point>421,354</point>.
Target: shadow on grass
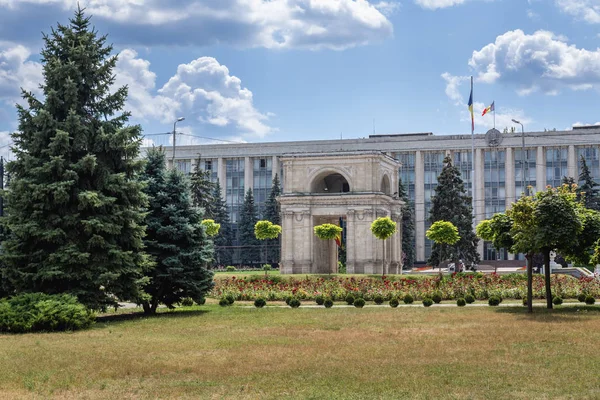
<point>129,316</point>
<point>557,314</point>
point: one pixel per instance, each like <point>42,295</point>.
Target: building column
<point>572,163</point>
<point>540,169</point>
<point>275,170</point>
<point>480,191</point>
<point>509,177</point>
<point>419,206</point>
<point>222,175</point>
<point>248,174</point>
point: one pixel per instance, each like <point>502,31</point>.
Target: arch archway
<point>385,185</point>
<point>330,182</point>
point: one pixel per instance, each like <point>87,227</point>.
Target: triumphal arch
<point>353,187</point>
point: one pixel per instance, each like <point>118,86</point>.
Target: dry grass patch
<point>236,352</point>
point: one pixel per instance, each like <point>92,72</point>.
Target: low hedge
<point>40,312</point>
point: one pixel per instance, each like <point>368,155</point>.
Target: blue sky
<point>256,70</point>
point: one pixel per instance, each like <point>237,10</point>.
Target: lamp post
<point>175,138</point>
<point>522,157</point>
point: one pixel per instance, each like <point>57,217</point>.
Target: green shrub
<point>437,297</point>
<point>295,303</point>
<point>408,299</point>
<point>469,298</point>
<point>230,268</point>
<point>461,302</point>
<point>39,312</point>
<point>288,299</point>
<point>525,301</point>
<point>201,301</point>
<point>581,297</point>
<point>230,299</point>
<point>328,303</point>
<point>394,303</point>
<point>590,300</point>
<point>359,303</point>
<point>557,300</point>
<point>427,302</point>
<point>349,299</point>
<point>223,302</point>
<point>320,300</point>
<point>187,302</point>
<point>378,299</point>
<point>267,267</point>
<point>260,302</point>
<point>494,300</point>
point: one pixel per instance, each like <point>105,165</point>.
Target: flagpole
<point>473,180</point>
<point>494,103</point>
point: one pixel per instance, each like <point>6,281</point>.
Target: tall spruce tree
<point>408,227</point>
<point>250,244</point>
<point>175,239</point>
<point>589,187</point>
<point>76,206</point>
<point>450,203</point>
<point>202,190</point>
<point>224,240</point>
<point>273,214</point>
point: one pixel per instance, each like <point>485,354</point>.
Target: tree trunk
<point>147,309</point>
<point>383,266</point>
<point>529,258</point>
<point>547,276</point>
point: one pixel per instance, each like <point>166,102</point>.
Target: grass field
<point>235,352</point>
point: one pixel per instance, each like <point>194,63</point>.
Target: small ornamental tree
<point>444,234</point>
<point>328,232</point>
<point>211,227</point>
<point>383,228</point>
<point>265,230</point>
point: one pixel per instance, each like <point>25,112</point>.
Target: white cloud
<point>17,71</point>
<point>532,15</point>
<point>203,90</point>
<point>587,10</point>
<point>541,61</point>
<point>435,4</point>
<point>311,24</point>
<point>452,87</point>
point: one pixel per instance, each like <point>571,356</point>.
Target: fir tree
<point>408,227</point>
<point>175,239</point>
<point>451,204</point>
<point>202,190</point>
<point>224,240</point>
<point>589,187</point>
<point>248,218</point>
<point>75,208</point>
<point>273,214</point>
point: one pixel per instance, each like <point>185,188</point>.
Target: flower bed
<point>512,286</point>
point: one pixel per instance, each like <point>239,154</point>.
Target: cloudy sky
<point>272,70</point>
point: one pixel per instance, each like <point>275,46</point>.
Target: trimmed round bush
<point>525,301</point>
<point>408,299</point>
<point>590,300</point>
<point>427,302</point>
<point>461,302</point>
<point>350,299</point>
<point>230,268</point>
<point>359,303</point>
<point>378,299</point>
<point>494,300</point>
<point>230,299</point>
<point>581,297</point>
<point>437,298</point>
<point>260,302</point>
<point>394,303</point>
<point>40,312</point>
<point>201,301</point>
<point>288,299</point>
<point>320,300</point>
<point>557,300</point>
<point>328,303</point>
<point>187,302</point>
<point>470,298</point>
<point>223,302</point>
<point>295,303</point>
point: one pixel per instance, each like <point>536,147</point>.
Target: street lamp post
<point>524,188</point>
<point>175,138</point>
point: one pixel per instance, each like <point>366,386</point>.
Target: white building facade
<point>503,170</point>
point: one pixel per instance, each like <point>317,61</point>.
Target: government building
<point>502,169</point>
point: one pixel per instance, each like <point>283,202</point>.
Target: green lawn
<point>245,353</point>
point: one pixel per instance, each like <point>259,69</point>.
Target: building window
<point>556,165</point>
<point>407,173</point>
<point>591,154</point>
<point>433,165</point>
<point>463,160</point>
<point>208,165</point>
<point>528,163</point>
<point>495,194</point>
<point>184,166</point>
<point>262,176</point>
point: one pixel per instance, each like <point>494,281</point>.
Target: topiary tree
<point>444,234</point>
<point>383,228</point>
<point>265,230</point>
<point>75,207</point>
<point>328,232</point>
<point>211,227</point>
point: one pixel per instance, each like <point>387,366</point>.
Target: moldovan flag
<point>489,109</point>
<point>471,108</point>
